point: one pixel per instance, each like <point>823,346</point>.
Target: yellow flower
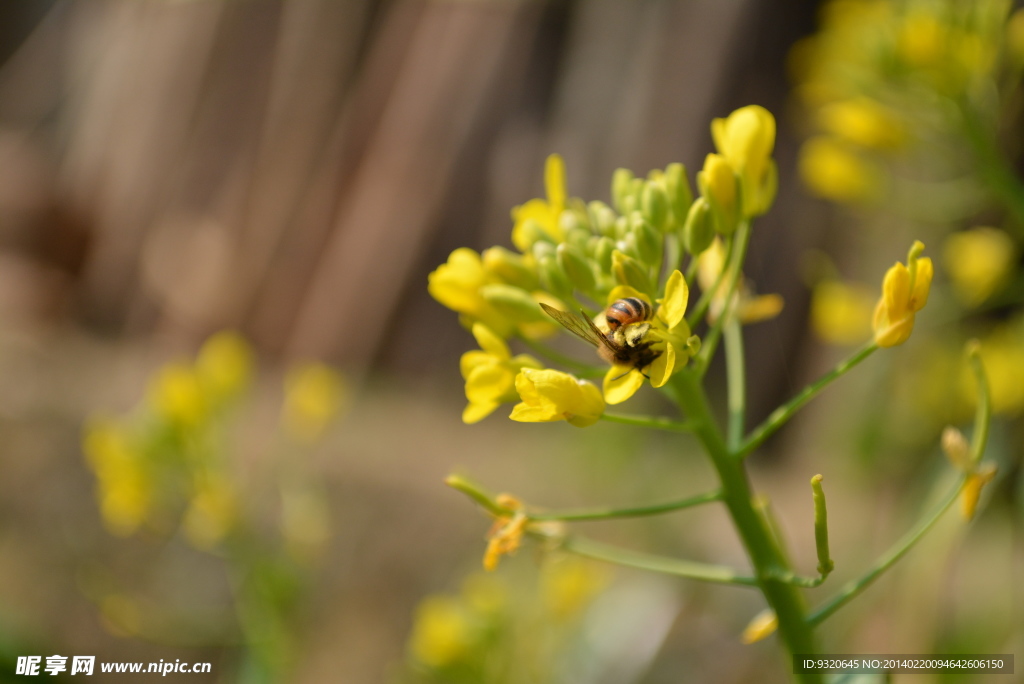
<point>211,513</point>
<point>569,583</point>
<point>457,285</point>
<point>504,539</point>
<point>442,632</point>
<point>538,218</point>
<point>177,396</point>
<point>979,261</point>
<point>313,398</point>
<point>746,139</point>
<point>835,172</point>
<point>904,293</point>
<point>124,489</point>
<point>1003,355</point>
<point>862,121</point>
<point>841,312</point>
<point>550,395</point>
<point>750,308</point>
<point>922,39</point>
<point>669,336</point>
<point>717,183</point>
<point>490,374</point>
<point>224,365</point>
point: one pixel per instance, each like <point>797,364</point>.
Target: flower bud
<point>543,249</point>
<point>718,185</point>
<point>570,220</point>
<point>648,239</point>
<point>680,197</point>
<point>621,227</point>
<point>554,279</point>
<point>603,253</point>
<point>622,182</point>
<point>654,205</point>
<point>956,448</point>
<point>699,229</point>
<point>513,303</point>
<point>602,217</point>
<point>530,232</point>
<point>629,271</point>
<point>509,267</point>
<point>576,266</point>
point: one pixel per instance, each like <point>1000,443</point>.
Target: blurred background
<point>292,171</point>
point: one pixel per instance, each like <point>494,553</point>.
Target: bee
<point>628,323</point>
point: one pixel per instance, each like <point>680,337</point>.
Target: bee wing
<point>579,325</point>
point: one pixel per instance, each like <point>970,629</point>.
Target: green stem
<point>851,589</point>
<point>582,546</point>
<point>983,414</point>
<point>730,302</point>
<point>781,415</point>
<point>736,380</point>
<point>476,493</point>
<point>767,559</point>
<point>634,512</point>
<point>655,422</point>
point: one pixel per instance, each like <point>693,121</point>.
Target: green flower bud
<point>680,196</point>
<point>602,217</point>
<point>543,249</point>
<point>576,266</point>
<point>570,220</point>
<point>603,253</point>
<point>648,239</point>
<point>699,230</point>
<point>509,267</point>
<point>578,237</point>
<point>513,303</point>
<point>621,227</point>
<point>622,181</point>
<point>532,232</point>
<point>654,205</point>
<point>554,279</point>
<point>629,271</point>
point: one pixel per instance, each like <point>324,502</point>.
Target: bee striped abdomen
<point>625,311</point>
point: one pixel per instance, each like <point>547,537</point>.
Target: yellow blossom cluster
<point>573,256</point>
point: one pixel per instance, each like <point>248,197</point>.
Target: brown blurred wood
<point>455,61</point>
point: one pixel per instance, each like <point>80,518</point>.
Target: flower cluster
<point>575,256</point>
<point>884,77</point>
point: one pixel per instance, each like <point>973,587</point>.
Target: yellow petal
<point>625,291</point>
<point>673,306</point>
<point>663,366</point>
<point>620,383</point>
<point>760,308</point>
<point>472,359</point>
<point>490,383</point>
<point>490,342</point>
<point>474,413</point>
<point>896,291</point>
<point>456,284</point>
<point>524,413</point>
<point>590,407</point>
<point>922,283</point>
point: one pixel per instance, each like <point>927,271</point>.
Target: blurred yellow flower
<point>904,293</point>
<point>442,632</point>
<point>761,627</point>
<point>313,398</point>
<point>490,374</point>
<point>570,583</point>
<point>224,365</point>
<point>550,395</point>
<point>746,139</point>
<point>124,489</point>
<point>176,395</point>
<point>832,170</point>
<point>485,594</point>
<point>862,121</point>
<point>211,513</point>
<point>1002,352</point>
<point>841,312</point>
<point>750,308</point>
<point>922,39</point>
<point>541,219</point>
<point>979,262</point>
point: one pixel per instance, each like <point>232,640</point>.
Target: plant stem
<point>634,512</point>
<point>781,415</point>
<point>737,383</point>
<point>582,546</point>
<point>701,308</point>
<point>851,589</point>
<point>767,559</point>
<point>655,422</point>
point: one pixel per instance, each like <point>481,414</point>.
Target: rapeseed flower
<point>841,312</point>
<point>176,395</point>
<point>314,393</point>
<point>540,219</point>
<point>490,374</point>
<point>551,395</point>
<point>746,139</point>
<point>442,632</point>
<point>124,489</point>
<point>979,261</point>
<point>904,293</point>
<point>224,365</point>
